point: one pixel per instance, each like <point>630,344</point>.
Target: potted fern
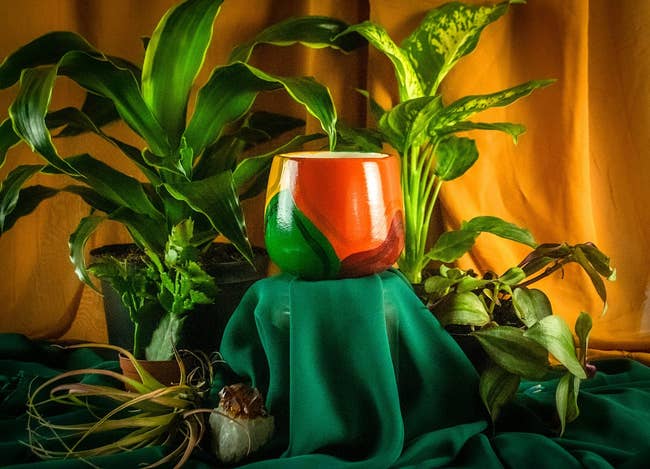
<point>193,174</point>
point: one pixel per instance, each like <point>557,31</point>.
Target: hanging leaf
<point>566,400</point>
<point>598,260</point>
<point>312,31</point>
<point>552,333</point>
<point>10,192</point>
<point>593,274</point>
<point>497,387</point>
<point>531,305</point>
<point>8,139</point>
<point>175,54</point>
<point>77,243</point>
<point>514,130</point>
<point>501,228</point>
<point>444,36</point>
<point>510,349</point>
<point>28,199</point>
<point>407,78</point>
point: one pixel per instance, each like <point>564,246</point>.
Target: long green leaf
<point>593,274</point>
<point>497,387</point>
<point>8,139</point>
<point>407,79</point>
<point>91,197</point>
<point>464,108</point>
<point>566,400</point>
<point>28,113</point>
<point>454,156</point>
<point>45,50</point>
<point>511,350</point>
<point>552,333</point>
<point>174,56</point>
<point>77,244</point>
<point>147,233</point>
<point>230,92</point>
<point>10,192</point>
<point>216,198</point>
<point>501,228</point>
<point>103,77</point>
<point>444,36</point>
<point>312,31</point>
<point>599,260</point>
<point>582,330</point>
<point>514,130</point>
<point>28,199</point>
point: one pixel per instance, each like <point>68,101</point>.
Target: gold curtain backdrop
<point>580,173</point>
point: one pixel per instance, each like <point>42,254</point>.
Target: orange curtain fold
<point>580,173</point>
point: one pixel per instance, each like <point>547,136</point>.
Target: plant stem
<point>557,266</point>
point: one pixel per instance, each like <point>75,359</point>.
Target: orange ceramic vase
<point>334,214</point>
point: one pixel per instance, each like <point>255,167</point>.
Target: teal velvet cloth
<point>359,375</point>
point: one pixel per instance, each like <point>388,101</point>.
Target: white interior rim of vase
<point>334,155</point>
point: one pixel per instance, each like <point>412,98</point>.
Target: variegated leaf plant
<point>193,167</point>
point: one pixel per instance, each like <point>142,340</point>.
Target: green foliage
<point>188,163</point>
<point>514,324</point>
<point>422,127</point>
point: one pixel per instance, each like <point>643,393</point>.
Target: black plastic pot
<point>204,326</point>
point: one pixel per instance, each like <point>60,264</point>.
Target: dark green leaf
<point>8,139</point>
<point>462,308</point>
<point>501,228</point>
<point>10,192</point>
<point>149,234</point>
<point>598,260</point>
<point>407,78</point>
<point>437,286</point>
<point>28,199</point>
<point>45,50</point>
<point>454,156</point>
<point>462,109</point>
<point>313,31</point>
<point>451,245</point>
<point>497,387</point>
<point>91,197</point>
<point>175,54</point>
<point>531,305</point>
<point>77,243</point>
<point>552,333</point>
<point>272,124</point>
<point>375,108</point>
<point>103,77</point>
<point>582,329</point>
<point>216,198</point>
<point>566,400</point>
<point>593,274</point>
<point>509,349</point>
<point>514,130</point>
<point>358,139</point>
<point>28,114</point>
<point>444,36</point>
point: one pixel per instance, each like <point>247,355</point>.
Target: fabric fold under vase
<point>354,370</point>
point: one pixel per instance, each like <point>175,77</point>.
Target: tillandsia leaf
<point>8,138</point>
<point>566,399</point>
<point>45,50</point>
<point>509,349</point>
<point>582,330</point>
<point>257,167</point>
<point>497,387</point>
<point>454,156</point>
<point>216,198</point>
<point>444,36</point>
<point>28,114</point>
<point>313,31</point>
<point>593,274</point>
<point>103,77</point>
<point>231,90</point>
<point>77,244</point>
<point>173,58</point>
<point>514,130</point>
<point>531,305</point>
<point>28,199</point>
<point>501,228</point>
<point>464,108</point>
<point>10,190</point>
<point>407,79</point>
<point>552,333</point>
<point>451,245</point>
<point>397,124</point>
<point>462,308</point>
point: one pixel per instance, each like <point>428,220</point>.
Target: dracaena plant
<point>422,127</point>
<point>515,325</point>
<point>192,167</point>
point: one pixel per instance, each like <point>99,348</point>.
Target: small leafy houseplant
<point>193,170</point>
<point>515,326</point>
<point>422,127</point>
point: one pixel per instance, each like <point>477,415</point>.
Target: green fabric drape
<point>359,375</point>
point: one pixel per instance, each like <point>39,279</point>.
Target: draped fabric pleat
<point>580,173</point>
